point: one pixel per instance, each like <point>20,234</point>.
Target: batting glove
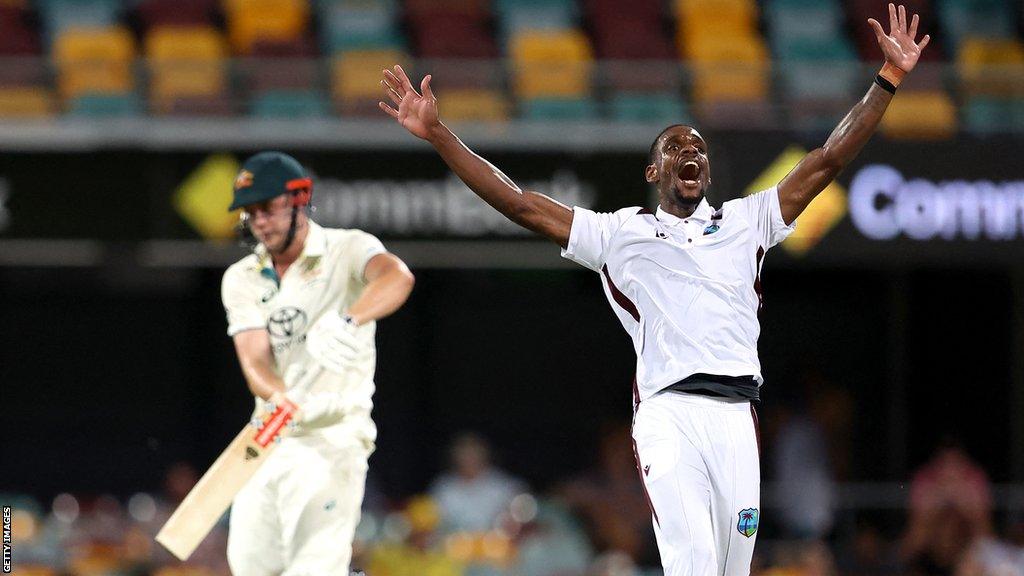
<point>332,341</point>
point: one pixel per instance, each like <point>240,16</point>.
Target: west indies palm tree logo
<point>748,522</point>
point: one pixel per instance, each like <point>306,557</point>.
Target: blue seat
<point>558,109</point>
<point>95,105</point>
<point>289,104</point>
<point>653,108</point>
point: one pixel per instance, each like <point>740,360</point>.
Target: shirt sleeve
<point>765,215</point>
<point>240,304</point>
<point>363,247</point>
<point>591,234</point>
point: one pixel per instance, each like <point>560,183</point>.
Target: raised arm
<point>822,165</point>
<point>417,113</point>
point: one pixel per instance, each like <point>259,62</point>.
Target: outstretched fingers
<point>879,32</point>
<point>404,79</point>
<point>425,87</point>
<point>390,111</point>
<point>924,42</point>
<point>912,32</point>
<point>903,19</point>
<point>894,23</point>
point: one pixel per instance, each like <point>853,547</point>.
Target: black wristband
<point>885,84</point>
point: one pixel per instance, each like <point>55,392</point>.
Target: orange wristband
<point>892,73</point>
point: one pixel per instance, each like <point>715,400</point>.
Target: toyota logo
<point>286,322</point>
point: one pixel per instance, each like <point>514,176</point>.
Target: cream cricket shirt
<point>686,290</point>
<point>328,275</point>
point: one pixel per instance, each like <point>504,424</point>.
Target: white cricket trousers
<point>699,462</point>
<point>298,514</point>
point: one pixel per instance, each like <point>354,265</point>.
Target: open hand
<point>416,112</point>
<point>899,45</point>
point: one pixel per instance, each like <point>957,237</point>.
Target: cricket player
<point>301,310</point>
<point>684,280</point>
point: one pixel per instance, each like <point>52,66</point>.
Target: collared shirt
<point>327,275</point>
<point>687,290</point>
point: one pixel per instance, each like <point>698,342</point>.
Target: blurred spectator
<point>987,557</point>
<point>612,502</point>
<point>412,546</point>
<point>178,481</point>
<point>473,494</point>
<point>950,507</point>
<point>802,559</point>
<point>551,543</point>
<point>869,554</point>
<point>803,475</point>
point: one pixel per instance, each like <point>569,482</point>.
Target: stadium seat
<point>60,15</point>
<point>991,66</point>
<point>289,104</point>
<point>273,20</point>
<point>356,76</point>
<point>94,61</point>
<point>962,19</point>
<point>152,13</point>
<point>820,70</point>
<point>185,63</point>
<point>26,102</point>
<point>476,10</point>
<point>453,36</point>
<point>729,69</point>
<point>99,105</point>
<point>19,38</point>
<point>558,109</point>
<point>474,105</point>
<point>652,108</point>
<point>362,26</point>
<point>988,115</point>
<point>657,76</point>
<point>551,64</point>
<point>736,115</point>
<point>926,115</point>
<point>474,74</point>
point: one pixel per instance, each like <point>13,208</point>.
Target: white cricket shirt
<point>327,276</point>
<point>687,290</point>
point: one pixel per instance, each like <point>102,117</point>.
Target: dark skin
<point>680,188</point>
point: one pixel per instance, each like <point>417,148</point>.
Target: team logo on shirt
<point>286,322</point>
<point>748,522</point>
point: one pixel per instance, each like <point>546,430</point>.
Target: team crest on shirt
<point>747,524</point>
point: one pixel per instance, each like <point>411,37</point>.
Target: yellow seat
<point>474,104</point>
<point>94,61</point>
<point>708,10</point>
<point>356,76</point>
<point>551,64</point>
<point>729,69</point>
<point>920,115</point>
<point>991,66</point>
<point>273,20</point>
<point>26,102</point>
<point>185,62</point>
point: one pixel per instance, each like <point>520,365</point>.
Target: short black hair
<point>654,145</point>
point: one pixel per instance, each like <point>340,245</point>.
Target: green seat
<point>289,104</point>
<point>804,20</point>
<point>981,18</point>
<point>653,108</point>
<point>354,27</point>
<point>828,69</point>
<point>105,105</point>
<point>988,115</point>
<point>558,109</point>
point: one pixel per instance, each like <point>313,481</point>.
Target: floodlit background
<point>892,334</point>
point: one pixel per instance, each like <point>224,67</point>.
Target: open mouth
<point>689,173</point>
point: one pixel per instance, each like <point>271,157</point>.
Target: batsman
<point>301,310</point>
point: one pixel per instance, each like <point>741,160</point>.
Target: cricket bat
<point>212,495</point>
